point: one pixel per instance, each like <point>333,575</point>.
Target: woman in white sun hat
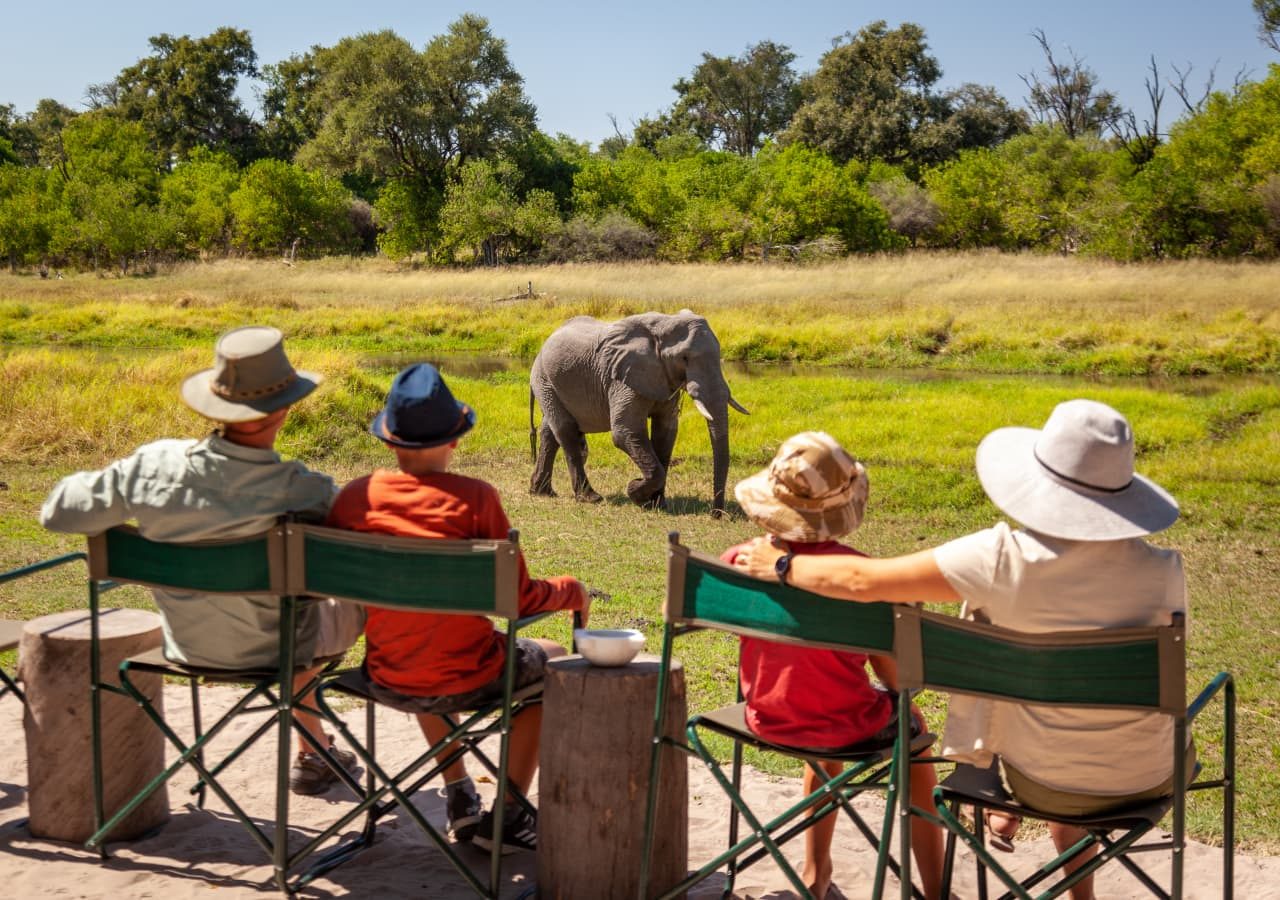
<point>1077,562</point>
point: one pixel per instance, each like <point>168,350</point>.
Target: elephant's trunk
<point>719,431</point>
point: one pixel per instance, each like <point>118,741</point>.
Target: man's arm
<point>914,578</point>
<point>88,502</point>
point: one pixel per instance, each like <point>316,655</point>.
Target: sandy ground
<point>205,853</point>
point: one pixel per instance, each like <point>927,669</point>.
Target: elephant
<point>625,378</point>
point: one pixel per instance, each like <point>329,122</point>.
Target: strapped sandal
<point>1001,840</point>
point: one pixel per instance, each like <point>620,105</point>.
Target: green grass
<point>1214,447</point>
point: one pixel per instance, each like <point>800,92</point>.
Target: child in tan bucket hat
<point>809,496</point>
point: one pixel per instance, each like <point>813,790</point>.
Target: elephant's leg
<point>540,483</point>
<point>574,444</point>
<point>662,432</point>
<point>647,489</point>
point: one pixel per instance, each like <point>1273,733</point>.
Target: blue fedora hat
<point>421,412</point>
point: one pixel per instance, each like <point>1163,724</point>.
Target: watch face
<point>782,567</point>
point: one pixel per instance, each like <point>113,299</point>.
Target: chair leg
<point>195,725</point>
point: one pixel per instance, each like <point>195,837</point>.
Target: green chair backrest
<point>1119,668</point>
<point>478,577</point>
<point>251,565</point>
<point>704,592</point>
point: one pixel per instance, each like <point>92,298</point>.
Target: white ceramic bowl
<point>608,646</point>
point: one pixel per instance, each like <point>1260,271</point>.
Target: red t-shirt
<point>805,696</point>
<point>427,654</point>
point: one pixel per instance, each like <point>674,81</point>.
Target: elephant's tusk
<point>706,413</point>
<point>738,406</point>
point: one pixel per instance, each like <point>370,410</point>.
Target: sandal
<point>1001,838</point>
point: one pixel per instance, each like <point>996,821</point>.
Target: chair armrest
<point>1221,680</point>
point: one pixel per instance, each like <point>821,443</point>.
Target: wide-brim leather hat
<point>1074,478</point>
<point>420,411</point>
<point>250,379</point>
<point>812,491</point>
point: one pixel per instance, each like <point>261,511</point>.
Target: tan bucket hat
<point>1074,478</point>
<point>812,491</point>
<point>250,379</point>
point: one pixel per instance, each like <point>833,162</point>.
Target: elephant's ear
<point>630,355</point>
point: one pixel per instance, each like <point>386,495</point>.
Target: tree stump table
<point>597,732</point>
<point>53,659</point>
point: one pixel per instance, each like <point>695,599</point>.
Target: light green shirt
<point>188,490</point>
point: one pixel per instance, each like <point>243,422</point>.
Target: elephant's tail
<point>533,434</point>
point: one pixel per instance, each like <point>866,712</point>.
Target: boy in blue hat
<point>432,664</point>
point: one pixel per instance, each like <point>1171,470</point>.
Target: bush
<point>614,237</point>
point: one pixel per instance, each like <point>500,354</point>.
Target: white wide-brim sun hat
<point>1074,478</point>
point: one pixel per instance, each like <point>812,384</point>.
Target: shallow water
<point>474,365</point>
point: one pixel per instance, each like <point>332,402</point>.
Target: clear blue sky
<point>583,61</point>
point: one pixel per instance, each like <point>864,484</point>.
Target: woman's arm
<point>914,578</point>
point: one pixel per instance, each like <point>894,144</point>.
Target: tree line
<point>372,145</point>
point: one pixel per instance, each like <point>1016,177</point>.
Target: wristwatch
<point>782,567</point>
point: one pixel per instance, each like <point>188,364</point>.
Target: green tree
<point>736,103</point>
<point>184,94</point>
<point>109,192</point>
<point>280,206</point>
<point>291,115</point>
<point>805,196</point>
<point>392,113</point>
<point>197,195</point>
<point>979,116</point>
<point>871,97</point>
<point>24,214</point>
<point>482,213</point>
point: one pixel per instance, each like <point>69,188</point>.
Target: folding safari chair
<point>1121,669</point>
<point>248,566</point>
<point>703,593</point>
<point>477,578</point>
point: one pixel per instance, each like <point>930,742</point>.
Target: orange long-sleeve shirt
<point>424,654</point>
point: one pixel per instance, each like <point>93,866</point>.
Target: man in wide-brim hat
<point>227,485</point>
<point>1078,562</point>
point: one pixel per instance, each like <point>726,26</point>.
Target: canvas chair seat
<point>355,683</point>
<point>155,661</point>
<point>731,721</point>
<point>984,789</point>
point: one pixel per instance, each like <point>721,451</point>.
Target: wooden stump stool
<point>53,659</point>
<point>597,732</point>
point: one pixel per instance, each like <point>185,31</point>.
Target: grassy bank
<point>971,312</point>
<point>1213,444</point>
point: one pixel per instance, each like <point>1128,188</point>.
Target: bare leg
<point>817,839</point>
<point>1064,837</point>
<point>435,729</point>
<point>522,760</point>
<point>309,721</point>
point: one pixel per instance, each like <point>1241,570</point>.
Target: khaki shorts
<point>340,626</point>
<point>1034,795</point>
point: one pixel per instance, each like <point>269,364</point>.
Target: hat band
<point>1077,482</point>
<point>227,393</point>
<point>463,409</point>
